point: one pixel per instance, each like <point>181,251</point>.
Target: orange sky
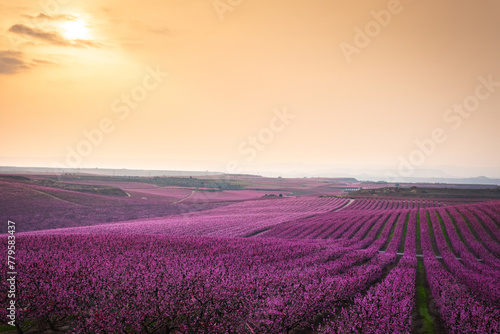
<point>270,87</point>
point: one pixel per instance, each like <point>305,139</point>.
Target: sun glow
<point>76,29</point>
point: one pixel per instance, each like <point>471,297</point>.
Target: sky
<point>320,88</point>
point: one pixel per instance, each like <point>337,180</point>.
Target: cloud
<point>162,31</point>
<point>51,37</point>
<point>43,62</point>
<point>60,17</point>
<point>12,62</point>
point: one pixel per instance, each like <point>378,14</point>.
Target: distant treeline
<point>163,181</point>
<point>428,192</point>
<point>86,188</point>
<point>15,177</point>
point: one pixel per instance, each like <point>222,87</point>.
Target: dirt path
<point>184,198</point>
<point>345,206</point>
<point>52,196</point>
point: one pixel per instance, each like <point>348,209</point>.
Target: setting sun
<point>76,29</point>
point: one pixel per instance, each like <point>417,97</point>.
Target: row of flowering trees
<point>459,307</point>
<point>150,284</point>
<point>125,278</point>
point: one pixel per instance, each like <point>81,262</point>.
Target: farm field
<point>250,167</point>
<point>251,261</point>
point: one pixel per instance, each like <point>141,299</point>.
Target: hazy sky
<point>282,86</point>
